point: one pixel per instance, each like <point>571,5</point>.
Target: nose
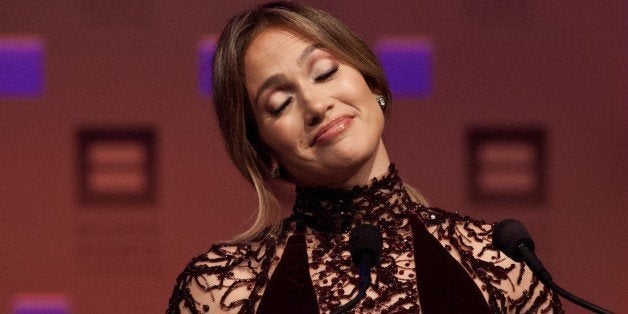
<point>316,107</point>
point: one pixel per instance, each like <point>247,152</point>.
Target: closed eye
<point>277,111</point>
<point>323,77</point>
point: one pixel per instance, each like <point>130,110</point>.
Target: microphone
<point>512,238</point>
<point>365,245</point>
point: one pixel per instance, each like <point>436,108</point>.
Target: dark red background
<point>557,64</point>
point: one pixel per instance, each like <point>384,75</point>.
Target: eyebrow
<point>279,78</point>
<point>307,52</point>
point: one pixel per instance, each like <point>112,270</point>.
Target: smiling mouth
<point>332,129</point>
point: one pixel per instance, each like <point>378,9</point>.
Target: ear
<point>273,164</point>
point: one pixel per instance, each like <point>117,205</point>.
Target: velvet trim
<point>444,286</point>
<point>290,288</point>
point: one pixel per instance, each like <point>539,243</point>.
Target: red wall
<point>116,63</point>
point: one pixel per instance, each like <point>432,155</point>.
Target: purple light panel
<point>408,64</point>
<point>21,67</point>
<point>206,50</point>
<point>40,304</point>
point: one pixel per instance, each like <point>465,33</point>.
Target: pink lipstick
<point>332,129</point>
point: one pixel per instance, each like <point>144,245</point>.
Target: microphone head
<point>365,239</point>
<point>510,234</point>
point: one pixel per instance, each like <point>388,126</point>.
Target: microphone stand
<point>583,303</point>
<point>365,244</point>
<point>537,268</point>
<point>363,285</point>
<point>512,238</point>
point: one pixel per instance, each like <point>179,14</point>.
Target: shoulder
<point>470,233</point>
<point>224,279</point>
<point>509,286</point>
<point>465,238</point>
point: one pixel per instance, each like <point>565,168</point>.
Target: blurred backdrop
<point>113,173</point>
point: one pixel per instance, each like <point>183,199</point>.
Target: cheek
<point>354,88</point>
<point>279,137</point>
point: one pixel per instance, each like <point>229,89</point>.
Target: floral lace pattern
<point>330,214</point>
<point>234,276</point>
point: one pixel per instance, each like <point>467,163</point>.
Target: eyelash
<point>276,112</point>
<point>326,75</point>
<point>321,78</point>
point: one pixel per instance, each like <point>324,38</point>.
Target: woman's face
<point>315,113</point>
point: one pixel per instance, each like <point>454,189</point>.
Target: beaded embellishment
<point>233,275</point>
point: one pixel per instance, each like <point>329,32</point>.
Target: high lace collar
<point>327,209</point>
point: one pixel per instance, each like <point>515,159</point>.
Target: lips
<point>335,127</point>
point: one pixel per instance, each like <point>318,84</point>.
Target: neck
<point>374,167</point>
<point>330,209</point>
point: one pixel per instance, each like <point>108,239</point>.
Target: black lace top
<point>432,260</point>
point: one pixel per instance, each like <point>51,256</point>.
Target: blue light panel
<point>21,67</point>
<point>408,64</point>
<point>206,50</point>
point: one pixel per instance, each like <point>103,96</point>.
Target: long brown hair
<point>230,98</point>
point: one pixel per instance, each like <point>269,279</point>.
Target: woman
<point>300,98</point>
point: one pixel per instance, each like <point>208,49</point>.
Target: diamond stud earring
<point>381,101</point>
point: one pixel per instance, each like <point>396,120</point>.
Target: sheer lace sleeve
<point>229,278</point>
<point>524,292</point>
<point>509,286</point>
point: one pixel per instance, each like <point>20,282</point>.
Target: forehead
<point>274,44</point>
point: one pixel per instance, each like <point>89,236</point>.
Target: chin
<point>356,151</point>
<point>351,159</point>
<point>337,164</point>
